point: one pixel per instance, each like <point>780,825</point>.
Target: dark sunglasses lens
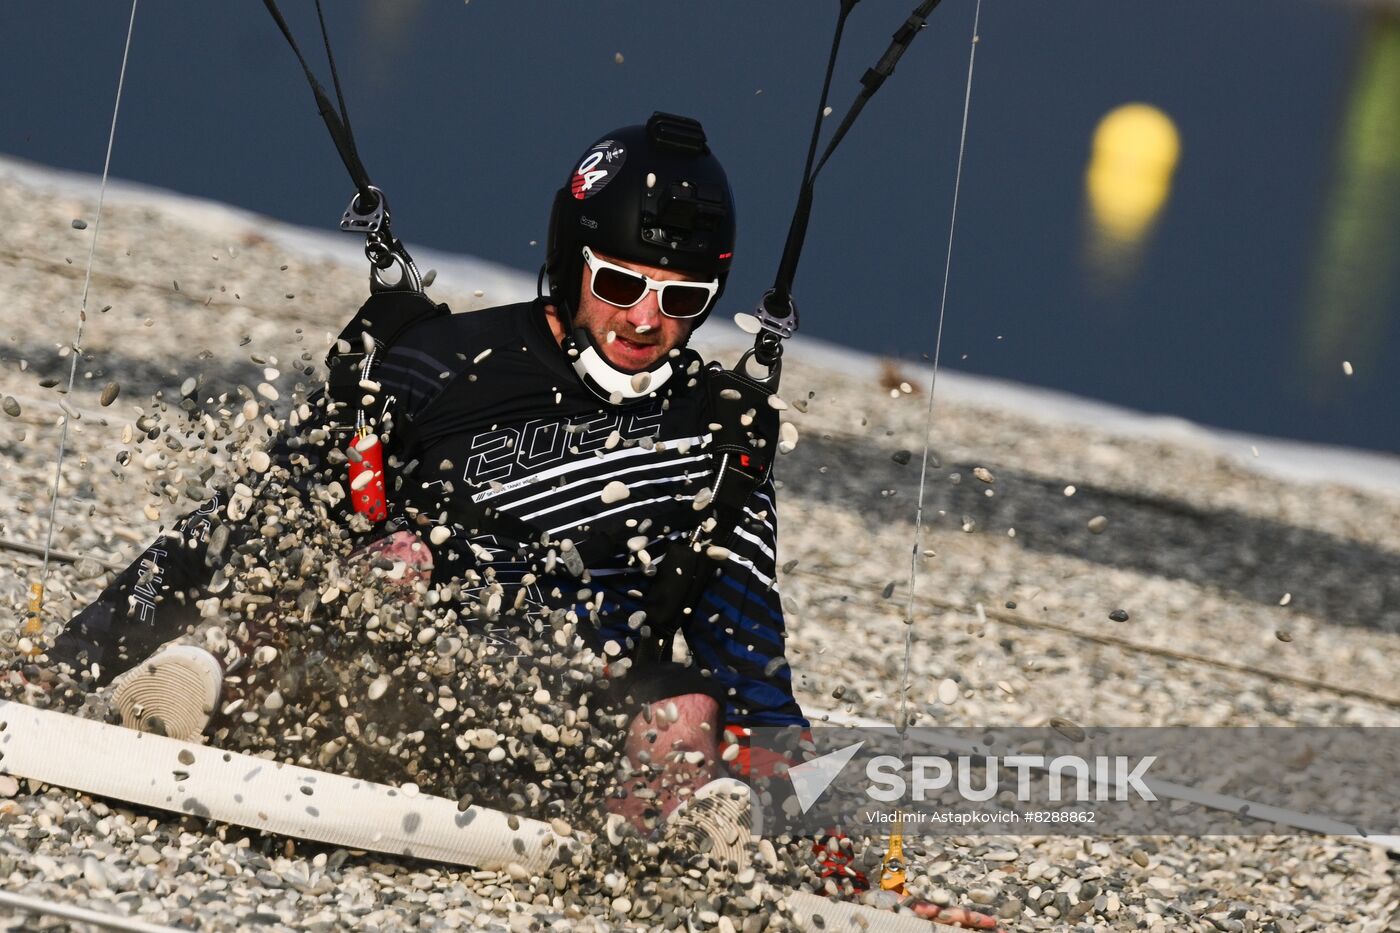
<point>620,288</point>
<point>684,300</point>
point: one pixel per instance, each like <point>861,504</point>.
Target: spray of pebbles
<point>342,654</point>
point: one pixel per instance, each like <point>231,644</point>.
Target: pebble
<point>1097,524</point>
<point>1067,728</point>
<point>615,491</point>
<point>11,406</point>
<point>439,534</point>
<point>110,391</point>
<point>259,461</point>
<point>948,691</point>
<point>787,437</point>
<point>1119,615</point>
<point>94,874</point>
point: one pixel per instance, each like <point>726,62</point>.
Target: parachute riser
<point>777,312</point>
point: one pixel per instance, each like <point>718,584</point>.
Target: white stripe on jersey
<point>594,493</point>
<point>585,461</point>
<point>621,508</point>
<point>748,565</point>
<point>758,541</point>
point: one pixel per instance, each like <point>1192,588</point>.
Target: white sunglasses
<point>623,288</point>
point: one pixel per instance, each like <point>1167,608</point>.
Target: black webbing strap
<point>337,124</point>
<point>797,230</point>
<point>875,77</point>
<point>745,430</point>
<point>871,82</point>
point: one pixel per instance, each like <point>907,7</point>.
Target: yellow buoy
<point>1136,148</point>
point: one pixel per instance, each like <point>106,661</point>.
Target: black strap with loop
<point>745,425</point>
<point>368,212</point>
<point>394,304</point>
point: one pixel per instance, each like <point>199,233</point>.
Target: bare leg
<point>668,759</point>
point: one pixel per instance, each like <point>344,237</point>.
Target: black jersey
<point>543,487</point>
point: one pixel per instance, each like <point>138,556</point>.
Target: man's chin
<point>630,362</point>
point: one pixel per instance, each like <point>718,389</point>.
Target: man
<point>542,456</point>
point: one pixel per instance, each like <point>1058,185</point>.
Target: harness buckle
<point>777,315</point>
<point>369,219</point>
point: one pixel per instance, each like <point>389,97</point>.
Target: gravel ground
<point>1271,578</point>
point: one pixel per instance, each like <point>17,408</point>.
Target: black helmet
<point>651,194</point>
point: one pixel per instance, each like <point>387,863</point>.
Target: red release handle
<point>367,478</point>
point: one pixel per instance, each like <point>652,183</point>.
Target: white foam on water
<point>1278,457</point>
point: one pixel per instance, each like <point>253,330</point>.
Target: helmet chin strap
<point>604,379</point>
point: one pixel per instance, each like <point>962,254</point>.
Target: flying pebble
<point>787,437</point>
<point>615,491</point>
<point>1346,367</point>
<point>109,394</point>
<point>11,406</point>
<point>948,691</point>
<point>984,474</point>
<point>1119,615</point>
<point>1097,524</point>
<point>1067,728</point>
<point>439,534</point>
<point>259,461</point>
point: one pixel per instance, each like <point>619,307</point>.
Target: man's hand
<point>403,559</point>
<point>667,757</point>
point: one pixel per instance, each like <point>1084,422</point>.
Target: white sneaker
<point>173,693</point>
<point>716,820</point>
